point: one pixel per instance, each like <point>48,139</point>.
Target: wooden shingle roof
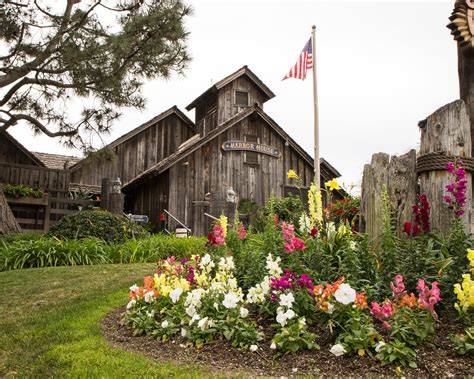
<point>56,161</point>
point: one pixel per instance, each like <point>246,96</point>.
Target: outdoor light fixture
<point>230,195</point>
<point>117,186</point>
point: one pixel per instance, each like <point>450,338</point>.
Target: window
<point>251,157</point>
<point>241,98</point>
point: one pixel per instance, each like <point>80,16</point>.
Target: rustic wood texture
<point>466,84</point>
<point>447,130</point>
<point>136,154</point>
<point>402,188</point>
<point>8,223</point>
<point>34,176</point>
<point>374,179</point>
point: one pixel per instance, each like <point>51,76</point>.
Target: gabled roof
<point>327,170</point>
<point>173,110</point>
<point>23,149</point>
<point>228,79</point>
<point>56,161</point>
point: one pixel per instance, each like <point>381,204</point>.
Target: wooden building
<point>237,147</point>
<point>189,168</point>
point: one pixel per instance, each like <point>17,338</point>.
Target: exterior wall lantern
<point>231,195</point>
<point>117,186</point>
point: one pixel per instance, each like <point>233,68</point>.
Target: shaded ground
<point>437,360</point>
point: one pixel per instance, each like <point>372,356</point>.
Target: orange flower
<point>148,283</point>
<point>361,301</point>
<point>318,290</point>
<point>409,301</point>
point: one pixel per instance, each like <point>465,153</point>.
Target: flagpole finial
<point>314,27</point>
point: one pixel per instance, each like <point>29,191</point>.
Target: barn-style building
<point>190,168</point>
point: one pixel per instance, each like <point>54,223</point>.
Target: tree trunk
<point>8,223</point>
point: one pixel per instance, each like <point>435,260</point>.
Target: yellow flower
<point>332,185</point>
<point>223,224</point>
<point>315,205</point>
<point>291,174</point>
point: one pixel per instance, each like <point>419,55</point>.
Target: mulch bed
<point>436,360</point>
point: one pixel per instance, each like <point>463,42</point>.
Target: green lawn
<point>50,324</point>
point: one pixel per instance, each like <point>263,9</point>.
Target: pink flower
<point>398,290</point>
<point>289,247</point>
<point>381,313</point>
<point>288,231</point>
<point>428,298</point>
<point>297,243</point>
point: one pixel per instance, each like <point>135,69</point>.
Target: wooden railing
<point>37,214</point>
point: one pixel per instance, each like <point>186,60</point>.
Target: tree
<point>68,67</point>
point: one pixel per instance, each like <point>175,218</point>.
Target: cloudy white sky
<point>382,67</point>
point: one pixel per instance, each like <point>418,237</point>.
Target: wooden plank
<point>59,200</point>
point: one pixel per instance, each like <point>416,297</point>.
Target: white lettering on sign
<point>251,146</point>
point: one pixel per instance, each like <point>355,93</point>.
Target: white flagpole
<point>317,173</point>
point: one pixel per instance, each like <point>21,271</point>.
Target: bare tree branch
<point>20,116</point>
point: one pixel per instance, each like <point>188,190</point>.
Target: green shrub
<point>288,209</point>
<point>21,190</point>
<point>46,252</point>
<point>156,247</point>
<point>99,224</point>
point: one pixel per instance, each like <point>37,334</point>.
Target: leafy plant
<point>294,337</point>
<point>100,224</point>
<point>397,352</point>
<point>21,190</point>
<point>464,343</point>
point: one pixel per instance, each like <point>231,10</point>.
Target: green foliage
<point>100,224</point>
<point>288,208</point>
<point>47,252</point>
<point>21,190</point>
<point>294,337</point>
<point>464,343</point>
<point>81,53</point>
<point>345,210</point>
<point>358,333</point>
<point>156,247</point>
<point>398,353</point>
<point>413,327</point>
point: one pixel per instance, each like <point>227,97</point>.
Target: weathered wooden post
<point>116,198</point>
<point>8,223</point>
<point>445,136</point>
<point>374,179</point>
<point>104,193</point>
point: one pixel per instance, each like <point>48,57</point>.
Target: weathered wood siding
<point>137,153</point>
<point>34,176</point>
<point>150,199</point>
<point>212,170</point>
<point>226,98</point>
<point>9,153</point>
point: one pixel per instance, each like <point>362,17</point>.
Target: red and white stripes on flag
<point>303,64</point>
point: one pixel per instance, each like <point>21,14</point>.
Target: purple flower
<point>456,188</point>
<point>449,167</point>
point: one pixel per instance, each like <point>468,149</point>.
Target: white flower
<point>164,324</point>
<point>353,245</point>
<point>184,332</point>
<point>191,311</point>
<point>283,317</point>
<point>149,296</point>
<point>230,300</point>
<point>330,308</point>
<point>150,314</point>
<point>232,283</point>
<point>244,312</point>
<point>253,348</point>
<point>345,294</point>
<point>203,323</point>
<point>302,322</point>
<point>206,263</point>
<point>131,303</point>
<point>273,346</point>
<point>379,346</point>
<point>134,288</point>
<point>287,300</point>
<point>337,350</point>
<point>305,223</point>
<point>273,266</point>
<point>196,317</point>
<point>175,294</point>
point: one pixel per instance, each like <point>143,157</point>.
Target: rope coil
<point>437,162</point>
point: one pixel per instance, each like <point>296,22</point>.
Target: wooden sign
<point>251,146</point>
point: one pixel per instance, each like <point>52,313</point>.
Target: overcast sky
<point>382,67</point>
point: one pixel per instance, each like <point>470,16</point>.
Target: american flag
<point>304,62</point>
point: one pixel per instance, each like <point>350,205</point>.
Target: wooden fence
<point>34,176</point>
<point>445,136</point>
<point>36,215</point>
